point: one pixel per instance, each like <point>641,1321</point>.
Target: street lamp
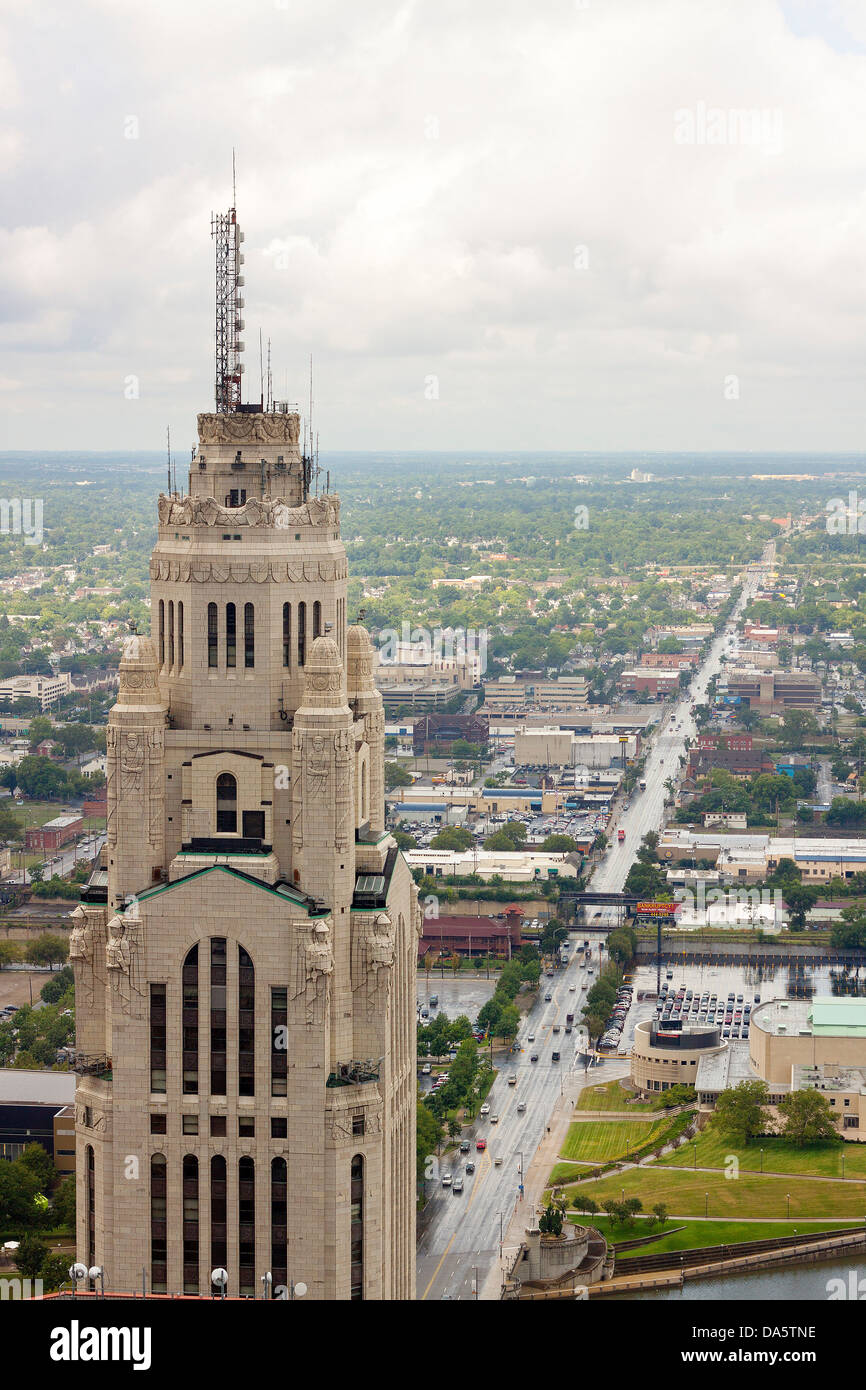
<point>762,1160</point>
<point>695,1152</point>
<point>706,1204</point>
<point>788,1200</point>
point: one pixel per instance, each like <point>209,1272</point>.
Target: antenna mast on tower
<point>229,303</point>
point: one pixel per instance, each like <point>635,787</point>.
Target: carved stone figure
<point>318,769</point>
<point>121,961</point>
<point>373,961</point>
<point>132,764</point>
<point>81,937</point>
<point>314,966</point>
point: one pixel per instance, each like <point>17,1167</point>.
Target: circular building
<point>667,1054</point>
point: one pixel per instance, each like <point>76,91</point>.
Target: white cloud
<point>413,182</point>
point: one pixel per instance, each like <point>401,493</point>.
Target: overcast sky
<point>496,224</point>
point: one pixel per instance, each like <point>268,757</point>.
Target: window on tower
<point>249,635</point>
<point>190,1023</point>
<point>162,632</point>
<point>180,636</point>
<point>226,804</point>
<point>317,620</point>
<point>218,1016</point>
<point>246,1024</point>
<point>212,658</point>
<point>231,635</point>
<point>287,634</point>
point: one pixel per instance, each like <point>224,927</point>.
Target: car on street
<point>470,1167</point>
<point>446,1179</point>
<point>530,1037</point>
<point>521,1108</point>
<point>485,1109</point>
<point>494,1119</point>
<point>512,1080</point>
<point>457,1185</point>
<point>547,998</point>
<point>481,1145</point>
<point>464,1146</point>
<point>534,1057</point>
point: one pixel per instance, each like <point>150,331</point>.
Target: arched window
<point>162,632</point>
<point>249,635</point>
<point>247,1225</point>
<point>158,1224</point>
<point>190,1224</point>
<point>287,634</point>
<point>246,1024</point>
<point>231,635</point>
<point>357,1227</point>
<point>218,1213</point>
<point>170,633</point>
<point>317,619</point>
<point>212,657</point>
<point>279,1222</point>
<point>180,636</point>
<point>226,804</point>
<point>189,1023</point>
<point>302,633</point>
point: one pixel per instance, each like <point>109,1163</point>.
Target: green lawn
<point>596,1141</point>
<point>683,1193</point>
<point>823,1160</point>
<point>566,1172</point>
<point>611,1096</point>
<point>696,1235</point>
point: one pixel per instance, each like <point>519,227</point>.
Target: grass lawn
<point>565,1172</point>
<point>611,1096</point>
<point>596,1141</point>
<point>696,1235</point>
<point>751,1195</point>
<point>780,1156</point>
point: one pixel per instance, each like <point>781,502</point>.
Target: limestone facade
<point>245,967</point>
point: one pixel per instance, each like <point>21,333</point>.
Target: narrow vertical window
<point>189,1023</point>
<point>246,1024</point>
<point>279,1222</point>
<point>90,1164</point>
<point>249,635</point>
<point>357,1228</point>
<point>170,633</point>
<point>162,632</point>
<point>302,633</point>
<point>317,619</point>
<point>157,1039</point>
<point>363,792</point>
<point>279,1051</point>
<point>180,636</point>
<point>247,1226</point>
<point>158,1224</point>
<point>218,1016</point>
<point>287,634</point>
<point>218,1213</point>
<point>190,1224</point>
<point>231,635</point>
<point>226,804</point>
<point>212,657</point>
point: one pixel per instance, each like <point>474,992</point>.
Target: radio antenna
<point>168,455</point>
<point>261,375</point>
<point>229,303</point>
<point>270,399</point>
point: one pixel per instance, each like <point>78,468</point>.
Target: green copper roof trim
<point>243,878</point>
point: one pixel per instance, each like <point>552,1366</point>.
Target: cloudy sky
<point>496,224</point>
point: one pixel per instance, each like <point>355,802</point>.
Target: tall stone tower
<point>244,954</point>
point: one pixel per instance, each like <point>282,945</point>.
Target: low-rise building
<point>47,689</point>
<point>54,833</point>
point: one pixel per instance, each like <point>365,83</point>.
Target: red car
<point>480,1144</point>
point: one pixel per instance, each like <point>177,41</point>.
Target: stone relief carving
<point>276,512</point>
<point>200,571</point>
<point>155,787</point>
<point>121,962</point>
<point>343,745</point>
<point>318,769</point>
<point>111,786</point>
<point>132,756</point>
<point>373,961</point>
<point>314,964</point>
<point>261,429</point>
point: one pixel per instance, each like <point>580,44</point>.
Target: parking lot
<point>458,994</point>
<point>770,982</point>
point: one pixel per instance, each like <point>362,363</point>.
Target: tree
<point>808,1118</point>
<point>64,1201</point>
<point>550,1221</point>
<point>30,1255</point>
<point>800,899</point>
<point>10,953</point>
<point>36,873</point>
<point>404,839</point>
<point>452,837</point>
<point>559,844</point>
<point>622,944</point>
<point>54,1272</point>
<point>48,949</point>
<point>585,1204</point>
<point>395,776</point>
<point>740,1110</point>
<point>428,1135</point>
<point>660,1212</point>
<point>38,1162</point>
<point>40,728</point>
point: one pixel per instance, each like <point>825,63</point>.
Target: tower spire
<point>229,303</point>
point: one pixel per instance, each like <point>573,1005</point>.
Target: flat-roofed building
<point>30,1102</point>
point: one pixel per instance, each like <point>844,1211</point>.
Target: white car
<point>485,1109</point>
<point>530,1037</point>
<point>446,1179</point>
